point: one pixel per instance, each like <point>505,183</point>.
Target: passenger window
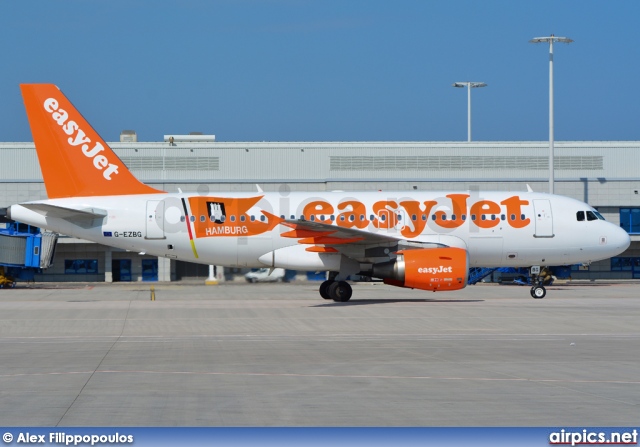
<point>342,217</point>
<point>362,217</point>
<point>192,218</point>
<point>444,217</point>
<point>352,218</point>
<point>399,217</point>
<point>464,217</point>
<point>232,218</point>
<point>483,217</point>
<point>253,218</point>
<point>424,217</point>
<point>591,216</point>
<point>521,216</point>
<point>262,218</point>
<point>293,217</point>
<point>182,219</point>
<point>433,217</point>
<point>414,217</point>
<point>473,217</point>
<point>202,218</point>
<point>580,216</point>
<point>453,217</point>
<point>503,217</point>
<point>513,217</point>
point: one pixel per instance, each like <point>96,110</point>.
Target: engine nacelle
<point>427,269</point>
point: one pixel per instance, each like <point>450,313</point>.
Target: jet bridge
<point>23,248</point>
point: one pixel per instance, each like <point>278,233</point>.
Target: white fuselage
<point>238,229</point>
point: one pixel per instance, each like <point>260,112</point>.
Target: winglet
<point>74,160</point>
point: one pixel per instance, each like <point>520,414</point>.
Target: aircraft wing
<point>361,245</point>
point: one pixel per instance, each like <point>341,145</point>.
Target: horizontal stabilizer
<point>85,218</point>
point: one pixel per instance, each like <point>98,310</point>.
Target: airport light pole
<point>469,86</point>
<point>551,39</point>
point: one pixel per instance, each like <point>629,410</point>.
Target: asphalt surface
<point>279,355</point>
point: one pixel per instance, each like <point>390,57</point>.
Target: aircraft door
<point>543,218</point>
<point>385,219</point>
<point>154,220</point>
<point>401,220</point>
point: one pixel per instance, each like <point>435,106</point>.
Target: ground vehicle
<point>265,275</point>
<point>6,281</point>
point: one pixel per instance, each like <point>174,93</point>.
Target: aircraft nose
<point>619,239</point>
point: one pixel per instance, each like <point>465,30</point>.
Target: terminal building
<point>605,174</point>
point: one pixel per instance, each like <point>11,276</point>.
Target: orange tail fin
<point>75,161</point>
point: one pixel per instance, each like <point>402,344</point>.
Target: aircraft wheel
<point>538,292</point>
<point>340,291</point>
<point>324,289</point>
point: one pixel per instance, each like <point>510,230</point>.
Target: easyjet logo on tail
<point>77,137</point>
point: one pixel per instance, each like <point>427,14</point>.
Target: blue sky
<point>335,70</point>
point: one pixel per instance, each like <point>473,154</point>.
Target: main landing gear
<point>339,291</point>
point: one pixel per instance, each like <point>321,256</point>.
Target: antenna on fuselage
<point>529,188</point>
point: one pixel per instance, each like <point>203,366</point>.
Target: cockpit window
<point>591,216</point>
<point>599,215</point>
<point>580,216</point>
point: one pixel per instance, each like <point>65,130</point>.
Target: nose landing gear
<point>538,292</point>
<point>539,277</point>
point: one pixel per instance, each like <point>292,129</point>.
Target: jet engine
<point>426,269</point>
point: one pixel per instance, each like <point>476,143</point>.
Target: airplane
<point>416,239</point>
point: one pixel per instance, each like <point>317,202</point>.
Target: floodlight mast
<point>551,39</point>
<point>469,86</point>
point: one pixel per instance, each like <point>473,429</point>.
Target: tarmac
<point>279,355</point>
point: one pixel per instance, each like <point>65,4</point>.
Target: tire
<point>538,292</point>
<point>324,289</point>
<point>340,291</point>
